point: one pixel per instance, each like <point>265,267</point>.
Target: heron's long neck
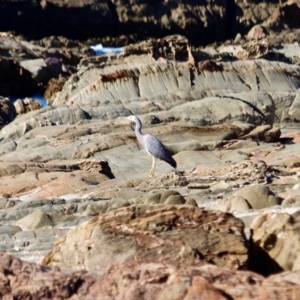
<point>138,127</point>
<point>138,130</point>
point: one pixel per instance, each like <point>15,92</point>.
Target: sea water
<point>99,49</point>
<point>40,98</point>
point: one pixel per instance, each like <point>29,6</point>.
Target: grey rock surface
<point>36,219</point>
<point>253,197</point>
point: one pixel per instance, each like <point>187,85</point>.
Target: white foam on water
<point>99,49</point>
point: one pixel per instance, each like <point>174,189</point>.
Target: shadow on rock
<point>261,262</point>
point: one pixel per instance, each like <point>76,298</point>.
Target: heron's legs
<point>151,174</point>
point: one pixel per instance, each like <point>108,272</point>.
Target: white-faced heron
<point>152,145</point>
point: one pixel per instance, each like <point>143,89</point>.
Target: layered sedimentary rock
<point>183,236</point>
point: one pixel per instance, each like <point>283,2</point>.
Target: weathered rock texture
<point>141,280</point>
<point>278,235</point>
<point>182,236</point>
<point>193,86</point>
<point>136,280</point>
<point>30,281</point>
<point>53,178</point>
<point>253,197</point>
<point>35,220</point>
<point>26,105</point>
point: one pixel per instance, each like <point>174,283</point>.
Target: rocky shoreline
<point>79,216</point>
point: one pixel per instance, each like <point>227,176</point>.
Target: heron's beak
<point>124,118</point>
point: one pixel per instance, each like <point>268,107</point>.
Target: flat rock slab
<point>29,180</point>
<point>184,236</point>
<point>37,219</point>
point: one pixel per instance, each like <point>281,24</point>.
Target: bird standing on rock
<point>152,145</point>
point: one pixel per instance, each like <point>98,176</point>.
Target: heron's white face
<point>131,118</point>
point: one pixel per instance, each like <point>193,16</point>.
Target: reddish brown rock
<point>183,236</point>
<point>23,280</point>
<point>60,178</point>
<point>148,280</point>
<point>141,280</point>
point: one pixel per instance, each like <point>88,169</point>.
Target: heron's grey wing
<point>156,148</point>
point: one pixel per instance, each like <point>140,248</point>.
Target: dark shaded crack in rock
<point>192,77</point>
<point>257,81</point>
<point>244,82</point>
